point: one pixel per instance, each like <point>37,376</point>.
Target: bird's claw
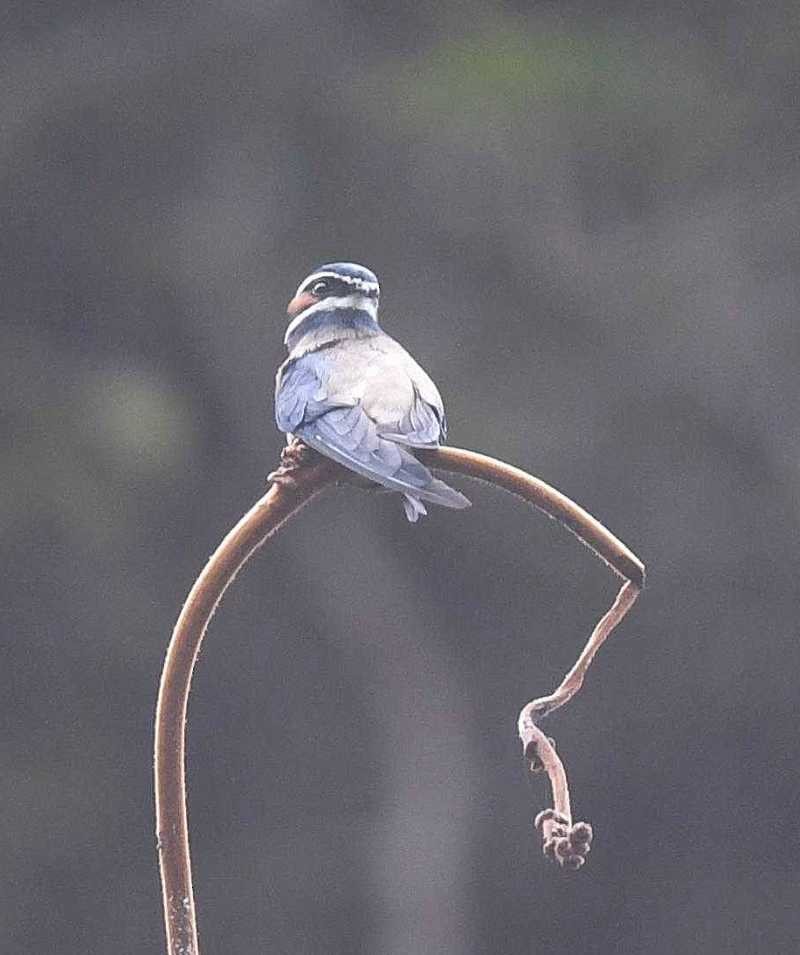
<point>294,456</point>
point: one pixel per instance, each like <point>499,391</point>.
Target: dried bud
<point>566,844</point>
<point>581,833</point>
<point>563,848</point>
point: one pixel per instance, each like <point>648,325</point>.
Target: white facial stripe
<point>355,300</point>
<point>349,279</point>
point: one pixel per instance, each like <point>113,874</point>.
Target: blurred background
<point>585,221</point>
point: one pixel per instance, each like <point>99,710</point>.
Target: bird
<point>354,394</point>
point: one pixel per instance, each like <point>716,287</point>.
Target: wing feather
<point>342,430</point>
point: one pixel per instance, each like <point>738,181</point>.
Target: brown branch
<point>302,476</point>
<point>293,488</point>
<point>562,842</point>
<point>555,504</point>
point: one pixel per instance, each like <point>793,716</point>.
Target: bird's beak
<point>300,303</point>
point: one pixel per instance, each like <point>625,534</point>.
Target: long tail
<point>437,492</point>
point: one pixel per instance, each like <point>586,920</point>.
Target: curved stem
<point>541,749</point>
<point>536,746</point>
<point>573,681</point>
<point>282,501</point>
<point>563,841</point>
<point>589,531</point>
<point>302,477</point>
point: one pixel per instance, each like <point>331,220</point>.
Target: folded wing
<point>338,426</point>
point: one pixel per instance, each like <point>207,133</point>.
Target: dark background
<point>585,222</point>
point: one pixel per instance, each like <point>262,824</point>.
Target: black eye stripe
<point>323,285</point>
<point>329,286</point>
<point>334,285</point>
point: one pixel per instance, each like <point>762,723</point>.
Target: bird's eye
<point>319,288</point>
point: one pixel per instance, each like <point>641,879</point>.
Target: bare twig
<point>302,476</point>
<point>573,681</point>
<point>563,842</point>
<point>295,485</point>
<point>555,504</point>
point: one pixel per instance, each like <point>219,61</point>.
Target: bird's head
<point>341,284</point>
<point>340,292</point>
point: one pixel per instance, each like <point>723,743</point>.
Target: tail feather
<point>437,492</point>
<point>414,508</point>
<point>391,465</point>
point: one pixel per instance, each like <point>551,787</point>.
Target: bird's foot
<point>294,456</point>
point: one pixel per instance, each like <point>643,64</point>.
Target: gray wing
<point>342,430</point>
<point>424,426</point>
<point>299,393</point>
